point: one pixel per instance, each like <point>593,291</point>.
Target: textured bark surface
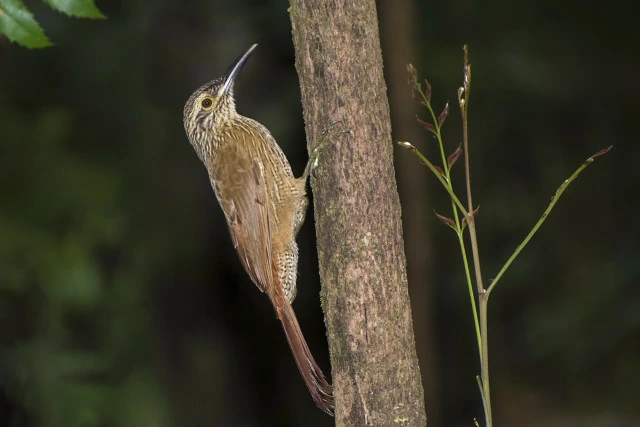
<point>358,221</point>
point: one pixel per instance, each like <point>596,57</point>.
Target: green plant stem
<point>455,202</point>
<point>459,229</point>
<point>470,215</point>
<point>484,402</point>
<point>484,365</point>
<point>477,323</point>
<point>464,108</point>
<point>544,216</point>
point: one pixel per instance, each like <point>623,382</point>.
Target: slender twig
<point>458,229</point>
<point>444,176</point>
<point>484,366</point>
<point>463,100</point>
<point>545,214</point>
<point>484,402</point>
<point>464,108</point>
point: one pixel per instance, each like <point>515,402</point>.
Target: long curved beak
<point>234,70</point>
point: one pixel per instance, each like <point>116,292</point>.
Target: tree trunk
<point>360,246</point>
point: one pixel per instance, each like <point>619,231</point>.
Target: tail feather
<point>321,390</point>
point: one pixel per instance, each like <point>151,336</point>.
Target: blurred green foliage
<point>74,323</point>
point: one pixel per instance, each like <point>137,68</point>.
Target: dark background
<point>122,302</point>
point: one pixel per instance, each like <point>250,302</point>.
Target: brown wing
<point>239,185</point>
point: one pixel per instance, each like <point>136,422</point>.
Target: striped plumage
<point>263,202</point>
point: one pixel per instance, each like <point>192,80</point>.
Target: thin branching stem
<point>464,108</point>
<point>458,229</point>
<point>484,402</point>
<point>455,202</point>
<point>443,175</point>
<point>463,101</point>
<point>544,216</point>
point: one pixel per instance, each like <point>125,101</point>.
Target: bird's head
<point>211,107</point>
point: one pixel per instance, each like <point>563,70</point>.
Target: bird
<point>264,205</point>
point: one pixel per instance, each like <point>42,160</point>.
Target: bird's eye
<point>206,103</point>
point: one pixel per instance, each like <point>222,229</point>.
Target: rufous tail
<point>321,390</point>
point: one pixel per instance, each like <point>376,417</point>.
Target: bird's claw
<point>326,137</point>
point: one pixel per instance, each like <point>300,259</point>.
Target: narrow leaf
<point>602,152</point>
<point>17,23</point>
<point>472,215</point>
<point>412,74</point>
<point>439,169</point>
<point>417,97</point>
<point>427,91</point>
<point>427,126</point>
<point>445,220</point>
<point>454,156</point>
<point>77,8</point>
<point>443,116</point>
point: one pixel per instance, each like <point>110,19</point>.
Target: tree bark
<point>357,210</point>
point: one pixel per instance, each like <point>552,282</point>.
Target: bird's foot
<point>334,130</point>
